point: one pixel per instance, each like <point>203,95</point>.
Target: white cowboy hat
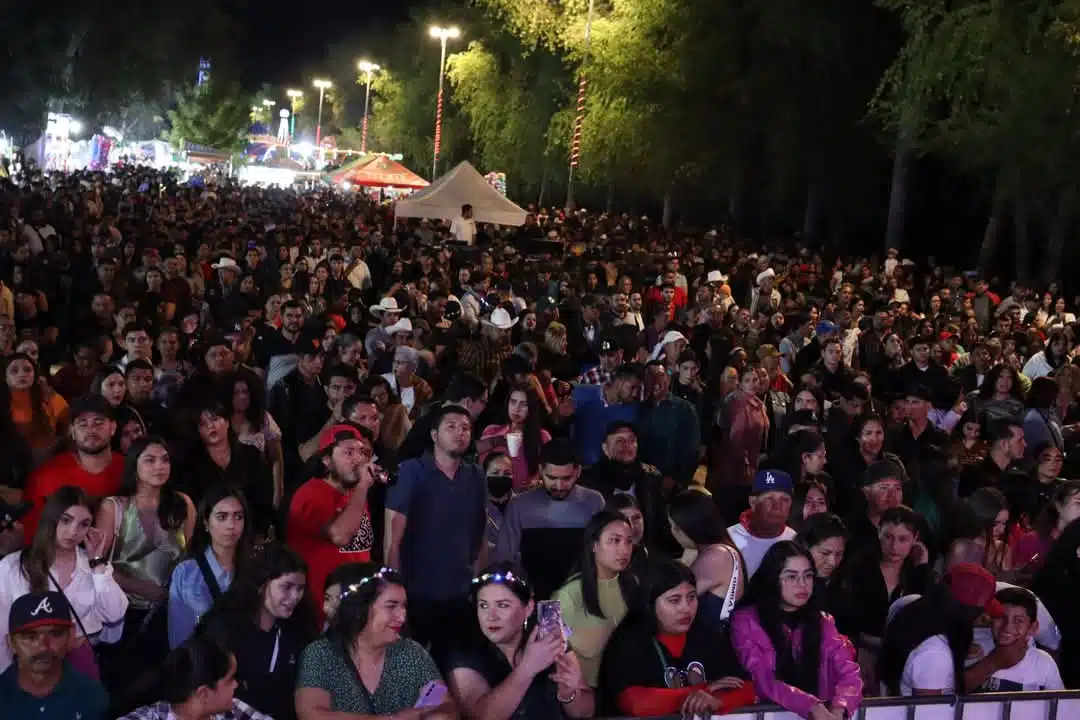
<point>715,276</point>
<point>404,325</point>
<point>386,305</point>
<point>225,263</point>
<point>500,319</point>
<point>769,273</point>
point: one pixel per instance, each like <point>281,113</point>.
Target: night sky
<point>287,39</point>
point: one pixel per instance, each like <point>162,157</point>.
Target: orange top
<point>56,410</point>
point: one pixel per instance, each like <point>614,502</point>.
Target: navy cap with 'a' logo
<point>36,609</point>
<point>772,481</point>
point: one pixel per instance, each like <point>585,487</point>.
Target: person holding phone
<point>65,555</point>
<point>515,667</point>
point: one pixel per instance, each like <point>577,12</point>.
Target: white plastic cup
<point>513,443</point>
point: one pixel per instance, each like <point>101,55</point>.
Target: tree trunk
<point>810,217</point>
<point>610,208</point>
<point>1055,244</point>
<point>1023,241</point>
<point>992,234</point>
<point>901,172</point>
<point>669,206</point>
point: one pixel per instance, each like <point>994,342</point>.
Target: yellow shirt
<point>589,634</point>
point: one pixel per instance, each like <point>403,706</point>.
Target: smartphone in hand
<point>431,695</point>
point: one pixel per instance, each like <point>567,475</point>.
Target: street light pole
<point>322,85</point>
<point>293,96</point>
<point>442,34</point>
<point>579,119</point>
<point>369,68</point>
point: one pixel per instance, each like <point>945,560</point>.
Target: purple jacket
<point>841,684</point>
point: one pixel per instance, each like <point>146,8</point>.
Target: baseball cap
<point>38,609</point>
<point>336,433</point>
<point>920,391</point>
<point>824,328</point>
<point>805,417</point>
<point>608,346</point>
<point>90,404</point>
<point>772,481</point>
<point>971,584</point>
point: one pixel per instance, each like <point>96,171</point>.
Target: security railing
<point>1035,705</point>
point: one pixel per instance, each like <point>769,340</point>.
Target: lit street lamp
<point>294,95</point>
<point>442,34</point>
<point>322,85</point>
<point>368,68</point>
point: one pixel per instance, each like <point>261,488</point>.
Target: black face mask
<point>499,485</point>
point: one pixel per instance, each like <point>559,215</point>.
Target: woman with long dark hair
<point>826,537</point>
<point>39,413</point>
<point>263,621</point>
<point>927,641</point>
<point>216,457</point>
<point>110,383</point>
<point>145,528</point>
<point>253,424</point>
<point>219,548</point>
<point>59,558</point>
<point>1033,547</point>
<point>664,659</point>
<point>195,680</point>
<point>698,526</point>
<point>1001,395</point>
<point>867,447</point>
<point>596,598</point>
<point>792,649</point>
<point>980,532</point>
<point>365,664</point>
<point>508,672</point>
<point>521,435</point>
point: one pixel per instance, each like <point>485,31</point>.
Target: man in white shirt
<point>463,229</point>
<point>765,523</point>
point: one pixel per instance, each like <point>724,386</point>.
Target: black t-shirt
<point>635,658</point>
<point>269,343</point>
<point>541,699</point>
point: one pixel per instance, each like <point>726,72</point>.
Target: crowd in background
<point>274,454</point>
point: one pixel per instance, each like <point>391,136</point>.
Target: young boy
<point>1013,662</point>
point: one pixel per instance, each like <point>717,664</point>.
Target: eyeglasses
<point>385,573</point>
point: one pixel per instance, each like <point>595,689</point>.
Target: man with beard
<point>361,410</point>
<point>329,523</point>
<point>91,466</point>
<point>40,684</point>
<point>435,522</point>
<point>543,527</point>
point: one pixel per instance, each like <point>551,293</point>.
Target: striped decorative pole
<point>442,34</point>
<point>579,119</point>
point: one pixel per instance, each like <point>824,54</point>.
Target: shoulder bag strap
<point>733,584</point>
<point>78,620</point>
<point>208,575</point>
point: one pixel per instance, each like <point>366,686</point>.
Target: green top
<point>406,669</point>
<point>589,634</point>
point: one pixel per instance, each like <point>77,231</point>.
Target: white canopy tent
<point>463,185</point>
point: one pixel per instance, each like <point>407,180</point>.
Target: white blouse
<point>95,597</point>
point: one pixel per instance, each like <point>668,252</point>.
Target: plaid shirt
<point>163,711</point>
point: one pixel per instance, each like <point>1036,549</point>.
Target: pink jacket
<point>841,684</point>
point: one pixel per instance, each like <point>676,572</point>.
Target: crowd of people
<point>273,454</point>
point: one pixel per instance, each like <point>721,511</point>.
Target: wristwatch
<point>98,562</point>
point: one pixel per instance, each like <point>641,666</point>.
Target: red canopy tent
<point>379,171</point>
